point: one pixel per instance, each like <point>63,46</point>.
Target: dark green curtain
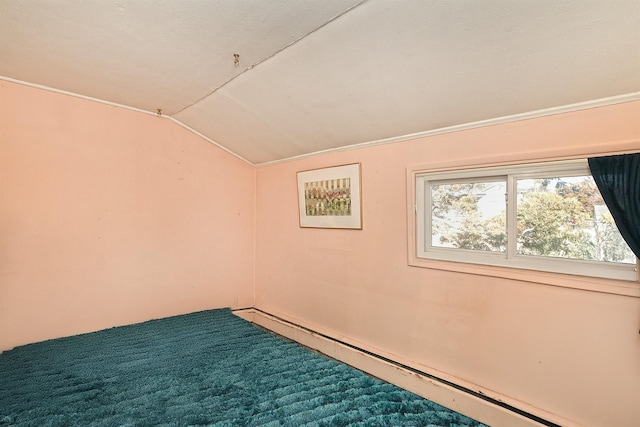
<point>618,179</point>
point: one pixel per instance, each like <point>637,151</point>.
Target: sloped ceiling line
<point>206,138</point>
<point>632,97</point>
<point>252,66</point>
<point>127,107</point>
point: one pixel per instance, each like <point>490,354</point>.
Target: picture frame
<point>330,197</point>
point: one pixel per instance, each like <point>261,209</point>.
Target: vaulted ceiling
<point>275,79</point>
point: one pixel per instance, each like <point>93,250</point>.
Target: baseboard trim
<point>475,404</point>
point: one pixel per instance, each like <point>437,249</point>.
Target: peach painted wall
<point>572,353</point>
<point>109,217</point>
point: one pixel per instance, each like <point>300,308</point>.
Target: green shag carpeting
<point>206,368</point>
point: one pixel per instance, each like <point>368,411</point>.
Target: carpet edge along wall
<point>204,368</point>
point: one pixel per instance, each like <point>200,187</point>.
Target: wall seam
<point>255,233</point>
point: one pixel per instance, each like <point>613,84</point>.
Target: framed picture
<point>330,197</point>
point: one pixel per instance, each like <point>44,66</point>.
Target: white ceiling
<point>315,75</point>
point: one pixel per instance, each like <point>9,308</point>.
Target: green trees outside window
<point>555,217</point>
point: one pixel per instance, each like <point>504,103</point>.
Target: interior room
<point>151,158</point>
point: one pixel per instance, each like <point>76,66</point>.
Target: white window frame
<point>510,259</point>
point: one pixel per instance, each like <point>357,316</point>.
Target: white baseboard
<point>456,399</point>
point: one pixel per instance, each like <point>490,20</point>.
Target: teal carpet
<point>206,368</point>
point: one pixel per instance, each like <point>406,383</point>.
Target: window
<point>546,216</point>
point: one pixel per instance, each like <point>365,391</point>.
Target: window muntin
<point>547,216</point>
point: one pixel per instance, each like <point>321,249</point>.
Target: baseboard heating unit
<point>478,404</point>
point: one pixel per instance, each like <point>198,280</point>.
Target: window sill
<point>583,283</point>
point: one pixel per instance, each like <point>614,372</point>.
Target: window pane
<point>566,217</point>
<point>469,215</point>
